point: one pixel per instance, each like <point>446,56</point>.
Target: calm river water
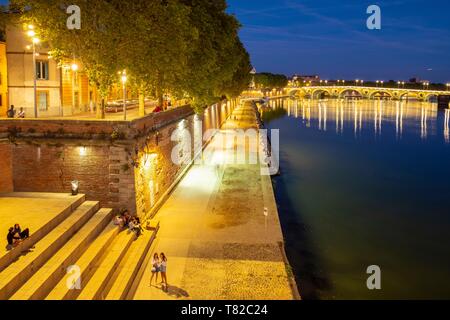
<point>364,183</point>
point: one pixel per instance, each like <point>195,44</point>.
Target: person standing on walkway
<point>11,113</point>
<point>155,268</point>
<point>163,269</point>
<point>21,114</point>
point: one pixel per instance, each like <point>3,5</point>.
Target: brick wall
<point>103,171</point>
<point>133,173</point>
<point>6,177</point>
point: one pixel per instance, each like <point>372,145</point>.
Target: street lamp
<point>357,82</point>
<point>377,82</point>
<point>448,86</point>
<point>124,86</point>
<point>34,40</point>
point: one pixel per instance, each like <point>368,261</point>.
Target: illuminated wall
<point>3,80</point>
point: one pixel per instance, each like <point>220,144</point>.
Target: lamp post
<point>34,40</point>
<point>124,86</point>
<point>448,86</point>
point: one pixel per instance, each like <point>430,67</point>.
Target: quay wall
<point>122,164</point>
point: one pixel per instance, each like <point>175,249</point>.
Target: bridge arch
<point>316,92</point>
<point>351,90</point>
<point>383,93</point>
<point>430,95</point>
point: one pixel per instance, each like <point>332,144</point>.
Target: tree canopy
<point>188,48</point>
<point>270,80</point>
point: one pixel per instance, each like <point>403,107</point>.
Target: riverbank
<point>219,243</point>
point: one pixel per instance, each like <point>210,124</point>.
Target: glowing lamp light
<point>75,185</point>
<point>74,67</point>
<point>124,78</point>
<point>148,159</point>
<point>31,33</point>
<point>36,40</point>
<point>83,151</point>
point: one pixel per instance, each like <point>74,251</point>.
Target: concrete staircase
<point>81,244</point>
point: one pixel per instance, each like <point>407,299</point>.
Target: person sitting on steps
<point>18,233</point>
<point>10,238</point>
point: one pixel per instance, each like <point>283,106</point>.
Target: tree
<point>269,80</point>
<point>159,37</point>
<point>241,78</point>
<point>188,48</point>
<point>3,20</point>
<point>216,55</point>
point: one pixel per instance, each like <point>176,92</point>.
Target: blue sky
<point>330,38</point>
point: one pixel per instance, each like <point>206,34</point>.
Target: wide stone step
<point>130,266</point>
<point>37,235</point>
<point>90,259</point>
<point>18,272</point>
<point>94,289</point>
<point>41,283</point>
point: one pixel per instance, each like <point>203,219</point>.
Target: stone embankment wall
<point>122,164</point>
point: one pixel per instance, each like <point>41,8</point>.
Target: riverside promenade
<point>219,243</point>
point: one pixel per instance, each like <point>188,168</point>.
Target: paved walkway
<point>218,241</point>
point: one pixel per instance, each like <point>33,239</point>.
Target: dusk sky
<point>330,38</point>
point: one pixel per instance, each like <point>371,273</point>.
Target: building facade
<point>61,89</point>
<point>3,80</point>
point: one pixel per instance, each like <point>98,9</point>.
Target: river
<point>364,183</point>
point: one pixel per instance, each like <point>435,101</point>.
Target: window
<point>42,70</point>
<point>43,100</point>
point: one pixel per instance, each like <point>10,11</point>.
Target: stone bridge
<point>364,92</point>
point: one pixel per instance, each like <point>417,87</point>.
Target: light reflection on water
<point>362,183</point>
<point>362,114</point>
